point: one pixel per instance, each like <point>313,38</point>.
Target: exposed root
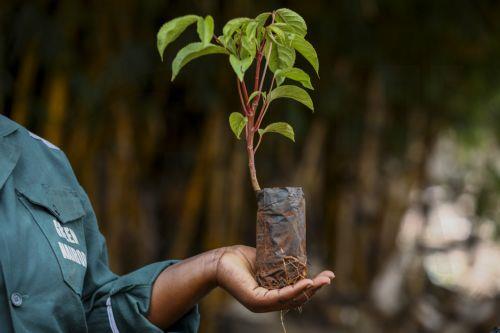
<point>282,315</point>
<point>294,270</point>
<point>279,276</point>
<point>298,273</point>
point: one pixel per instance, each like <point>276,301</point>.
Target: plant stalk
<point>249,136</point>
<point>251,167</point>
<point>243,106</point>
<point>257,98</point>
<point>250,111</point>
<point>263,110</point>
<point>257,66</point>
<point>245,93</point>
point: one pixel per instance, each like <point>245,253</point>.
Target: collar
<point>9,153</point>
<point>7,126</point>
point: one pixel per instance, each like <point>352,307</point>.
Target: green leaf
<point>262,18</point>
<point>255,94</point>
<point>249,46</point>
<point>193,51</point>
<point>251,29</point>
<point>233,25</point>
<point>228,43</point>
<point>246,56</point>
<point>280,128</point>
<point>307,50</point>
<point>240,66</point>
<point>171,30</point>
<point>293,92</point>
<point>283,27</point>
<point>205,28</point>
<point>252,95</point>
<point>277,31</point>
<point>295,74</point>
<point>294,20</point>
<point>237,66</point>
<point>281,56</point>
<point>237,123</point>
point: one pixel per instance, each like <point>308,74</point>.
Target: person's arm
<point>115,303</point>
<point>179,287</point>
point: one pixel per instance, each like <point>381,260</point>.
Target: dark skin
<point>181,286</point>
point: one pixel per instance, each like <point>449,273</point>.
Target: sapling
<point>270,41</point>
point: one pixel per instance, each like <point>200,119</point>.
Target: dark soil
<point>281,237</point>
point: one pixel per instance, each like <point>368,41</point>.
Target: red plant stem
<point>260,54</point>
<point>245,94</point>
<point>249,134</point>
<point>257,98</point>
<point>241,97</point>
<point>250,127</point>
<point>261,116</point>
<point>217,40</point>
<point>257,70</point>
<point>262,113</point>
<point>265,68</point>
<point>257,145</point>
<point>251,165</point>
<point>251,153</point>
<point>263,110</point>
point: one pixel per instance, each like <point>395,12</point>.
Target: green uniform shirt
<point>54,273</point>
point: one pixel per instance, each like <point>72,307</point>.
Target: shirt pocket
<point>59,213</point>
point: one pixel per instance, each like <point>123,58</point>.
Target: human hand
<point>236,274</point>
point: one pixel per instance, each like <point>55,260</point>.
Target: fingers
<point>329,274</point>
<point>277,299</point>
<point>290,297</point>
<point>290,292</point>
<point>322,279</point>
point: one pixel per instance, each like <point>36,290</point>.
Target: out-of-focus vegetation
<point>407,124</point>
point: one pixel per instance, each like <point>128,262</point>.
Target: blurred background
<point>400,163</point>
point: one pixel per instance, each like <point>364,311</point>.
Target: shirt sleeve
<point>120,304</point>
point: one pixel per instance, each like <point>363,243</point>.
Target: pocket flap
<point>62,202</point>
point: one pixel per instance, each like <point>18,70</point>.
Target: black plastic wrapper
<point>281,237</point>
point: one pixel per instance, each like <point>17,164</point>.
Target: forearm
<point>179,287</point>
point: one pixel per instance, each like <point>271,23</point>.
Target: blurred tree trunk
<point>57,92</point>
<point>23,87</point>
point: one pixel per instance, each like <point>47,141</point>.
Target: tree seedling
<point>271,41</point>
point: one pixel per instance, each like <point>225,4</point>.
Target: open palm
<point>236,271</point>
